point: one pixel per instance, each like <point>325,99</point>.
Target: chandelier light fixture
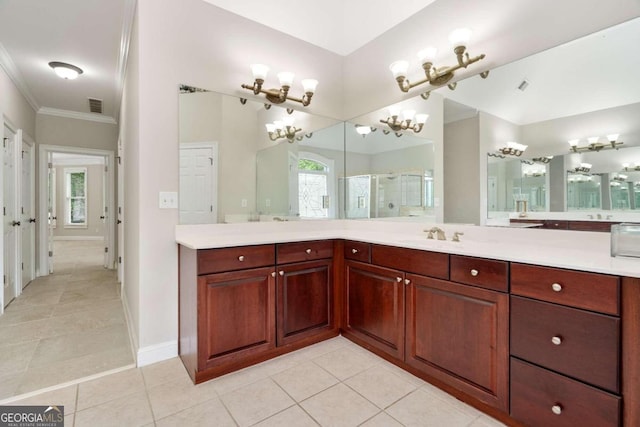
<point>513,149</point>
<point>594,144</point>
<point>282,129</point>
<point>65,71</point>
<point>437,76</point>
<point>410,121</point>
<point>583,168</point>
<point>278,96</point>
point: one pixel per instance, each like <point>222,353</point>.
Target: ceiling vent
<point>523,85</point>
<point>95,105</point>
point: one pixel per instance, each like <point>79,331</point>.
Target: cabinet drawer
<point>304,251</point>
<point>591,291</point>
<point>578,343</point>
<point>432,264</point>
<point>543,398</point>
<point>485,273</point>
<point>240,258</point>
<point>591,225</point>
<point>357,251</point>
<point>556,225</point>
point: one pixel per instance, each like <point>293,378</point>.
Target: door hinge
<point>50,165</point>
<point>118,158</point>
<point>211,208</point>
<point>4,145</point>
<point>4,276</point>
<point>106,168</point>
<point>4,211</point>
<point>50,253</point>
<point>106,250</point>
<point>22,154</point>
<point>119,260</point>
<point>22,266</point>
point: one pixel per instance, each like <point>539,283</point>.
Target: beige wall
<point>15,107</point>
<point>54,130</point>
<point>95,227</point>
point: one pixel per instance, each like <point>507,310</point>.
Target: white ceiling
<point>341,26</point>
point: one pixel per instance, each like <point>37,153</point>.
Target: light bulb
<point>421,118</point>
<point>259,71</point>
<point>309,85</point>
<point>408,115</point>
<point>394,111</point>
<point>573,142</point>
<point>270,127</point>
<point>593,139</point>
<point>460,37</point>
<point>286,78</point>
<point>428,54</point>
<point>613,137</point>
<point>363,130</point>
<point>399,68</point>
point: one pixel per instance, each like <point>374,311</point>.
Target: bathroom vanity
<point>538,332</point>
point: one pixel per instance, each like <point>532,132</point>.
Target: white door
<point>28,215</point>
<point>119,213</point>
<point>10,220</point>
<point>198,183</point>
<point>105,214</point>
<point>51,208</point>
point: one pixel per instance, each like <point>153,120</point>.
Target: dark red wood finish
<point>460,335</point>
<point>375,306</point>
<point>590,342</point>
<point>357,251</point>
<point>631,351</point>
<point>489,274</point>
<point>432,264</point>
<point>304,300</point>
<point>187,309</point>
<point>534,391</point>
<point>591,291</point>
<point>604,226</point>
<point>303,251</point>
<point>236,258</point>
<point>555,224</point>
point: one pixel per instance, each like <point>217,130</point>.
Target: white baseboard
<point>78,237</point>
<point>157,353</point>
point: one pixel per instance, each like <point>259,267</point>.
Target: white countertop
<point>578,250</point>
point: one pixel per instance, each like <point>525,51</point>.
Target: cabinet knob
<point>354,251</point>
<point>557,287</point>
<point>281,272</point>
<point>273,274</point>
<point>474,272</point>
<point>398,279</point>
<point>556,340</point>
<point>556,409</point>
<point>308,251</point>
<point>407,281</point>
<point>241,258</point>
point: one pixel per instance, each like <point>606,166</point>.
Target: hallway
<point>64,326</point>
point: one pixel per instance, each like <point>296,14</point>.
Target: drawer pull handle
<point>241,258</point>
<point>398,279</point>
<point>308,251</point>
<point>556,340</point>
<point>557,287</point>
<point>556,409</point>
<point>354,251</point>
<point>281,272</point>
<point>407,281</point>
<point>474,272</point>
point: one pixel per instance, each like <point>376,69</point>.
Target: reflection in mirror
<point>235,168</point>
<point>583,191</point>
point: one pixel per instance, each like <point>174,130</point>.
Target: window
<point>313,194</point>
<point>75,181</point>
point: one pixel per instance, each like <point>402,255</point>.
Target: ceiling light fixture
<point>65,71</point>
<point>438,76</point>
<point>628,167</point>
<point>593,143</point>
<point>278,96</point>
<point>620,177</point>
<point>407,122</point>
<point>545,159</point>
<point>282,129</point>
<point>584,168</point>
<point>363,130</point>
<point>513,149</point>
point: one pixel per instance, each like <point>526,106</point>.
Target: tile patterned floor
<point>333,383</point>
<point>64,326</point>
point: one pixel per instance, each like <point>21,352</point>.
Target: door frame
<point>27,140</point>
<point>43,244</point>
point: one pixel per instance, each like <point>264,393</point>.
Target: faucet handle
<point>430,233</point>
<point>456,236</point>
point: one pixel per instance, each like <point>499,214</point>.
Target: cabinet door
<point>375,306</point>
<point>305,295</point>
<point>459,335</point>
<point>236,316</point>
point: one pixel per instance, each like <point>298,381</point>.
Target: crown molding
<point>16,77</point>
<point>92,117</point>
<point>125,39</point>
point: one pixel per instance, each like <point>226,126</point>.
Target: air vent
<point>95,105</point>
<point>523,85</point>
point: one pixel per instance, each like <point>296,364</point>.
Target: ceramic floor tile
<point>456,403</point>
<point>130,411</point>
<point>339,406</point>
<point>418,382</point>
<point>380,386</point>
<point>22,332</point>
<point>163,372</point>
<point>304,380</point>
<point>323,347</point>
<point>175,396</point>
<point>381,420</point>
<point>110,387</point>
<point>65,396</point>
<point>100,317</point>
<point>69,419</point>
<point>282,363</point>
<point>9,384</point>
<point>235,380</point>
<point>266,400</point>
<point>486,421</point>
<point>293,416</point>
<point>83,306</point>
<point>25,314</point>
<point>16,357</point>
<point>344,363</point>
<point>209,413</point>
<point>423,409</point>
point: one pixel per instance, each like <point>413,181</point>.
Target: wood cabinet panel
<point>555,224</point>
<point>236,315</point>
<point>357,251</point>
<point>459,335</point>
<point>577,343</point>
<point>604,226</point>
<point>432,264</point>
<point>303,251</point>
<point>591,291</point>
<point>486,273</point>
<point>535,392</point>
<point>304,300</point>
<point>236,258</point>
<point>375,306</point>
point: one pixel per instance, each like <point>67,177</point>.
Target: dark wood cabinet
<point>576,225</point>
<point>236,316</point>
<point>459,335</point>
<point>304,300</point>
<point>375,306</point>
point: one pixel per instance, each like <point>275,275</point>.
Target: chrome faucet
<point>277,218</point>
<point>439,233</point>
<point>456,236</point>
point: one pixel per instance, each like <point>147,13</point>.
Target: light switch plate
<point>168,200</point>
